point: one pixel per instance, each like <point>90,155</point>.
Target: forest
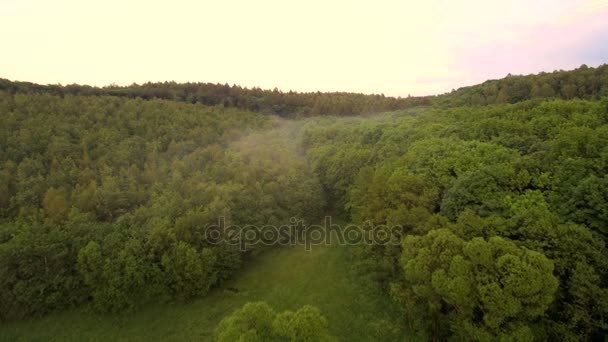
<point>582,83</point>
<point>498,191</point>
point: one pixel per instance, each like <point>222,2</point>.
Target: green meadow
<point>286,278</point>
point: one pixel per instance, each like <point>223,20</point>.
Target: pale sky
<point>378,46</point>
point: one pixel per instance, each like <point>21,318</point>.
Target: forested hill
<point>584,83</point>
<point>284,104</point>
<point>497,216</point>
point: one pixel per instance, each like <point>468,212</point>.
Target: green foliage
<point>498,206</point>
<point>283,104</point>
<point>486,288</point>
<point>392,196</point>
<point>587,203</point>
<point>305,324</point>
<point>258,322</point>
<point>253,322</point>
<point>584,83</point>
<point>36,271</point>
<point>323,277</point>
<point>117,280</point>
<point>524,182</point>
<point>189,273</point>
<point>108,200</point>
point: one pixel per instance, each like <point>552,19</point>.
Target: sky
<point>392,47</point>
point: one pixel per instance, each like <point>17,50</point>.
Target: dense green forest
<point>284,104</point>
<point>498,192</point>
<point>584,83</point>
<point>106,199</point>
<point>503,210</point>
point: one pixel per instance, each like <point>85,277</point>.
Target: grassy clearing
<point>286,278</point>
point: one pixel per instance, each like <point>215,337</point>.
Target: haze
<point>391,47</point>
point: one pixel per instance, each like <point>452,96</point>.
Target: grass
<point>286,278</point>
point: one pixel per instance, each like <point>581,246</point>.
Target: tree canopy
<point>496,194</point>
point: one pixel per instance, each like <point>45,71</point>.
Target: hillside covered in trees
<point>502,210</point>
<point>583,83</point>
<point>498,194</point>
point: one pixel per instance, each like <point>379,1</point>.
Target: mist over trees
<point>499,191</point>
<point>106,200</point>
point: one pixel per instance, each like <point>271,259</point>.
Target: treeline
<point>503,210</point>
<point>582,83</point>
<point>285,104</point>
<point>107,201</point>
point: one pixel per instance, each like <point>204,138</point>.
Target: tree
<point>55,205</point>
<point>306,324</point>
<point>257,321</point>
<point>569,91</point>
<point>189,273</point>
<point>390,195</point>
<point>252,322</point>
<point>486,288</point>
<point>116,283</point>
<point>542,91</point>
<point>480,190</point>
<point>587,203</point>
<point>90,264</point>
